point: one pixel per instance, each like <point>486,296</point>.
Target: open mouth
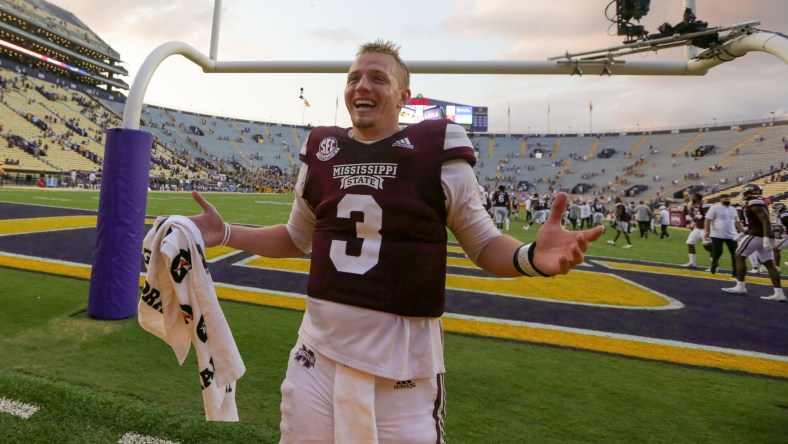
<point>364,104</point>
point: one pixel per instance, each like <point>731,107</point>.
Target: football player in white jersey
<point>372,205</point>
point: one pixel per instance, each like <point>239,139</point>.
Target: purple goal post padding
<point>115,278</point>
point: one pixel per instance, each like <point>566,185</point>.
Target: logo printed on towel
<point>152,297</point>
<point>202,259</point>
<point>188,315</point>
<point>207,375</point>
<point>202,332</point>
<point>305,356</point>
<point>181,265</point>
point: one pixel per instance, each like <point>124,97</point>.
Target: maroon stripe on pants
<point>743,244</point>
<point>439,411</point>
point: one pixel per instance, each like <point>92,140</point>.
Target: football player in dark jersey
<point>622,222</point>
<point>501,206</point>
<point>759,240</point>
<point>372,204</point>
<point>781,218</point>
<point>697,215</point>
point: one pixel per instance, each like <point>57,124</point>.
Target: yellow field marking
<point>597,288</point>
<point>633,348</point>
<point>261,298</point>
<point>457,324</point>
<point>42,224</point>
<point>698,273</point>
<point>39,224</point>
<point>461,262</point>
<point>44,266</point>
<point>294,265</point>
<point>217,252</point>
<point>592,288</point>
<point>302,265</point>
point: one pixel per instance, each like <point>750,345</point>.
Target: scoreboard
<point>473,118</point>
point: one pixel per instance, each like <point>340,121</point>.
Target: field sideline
<point>623,304</point>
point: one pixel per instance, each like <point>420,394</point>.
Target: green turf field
<point>266,209</point>
<point>95,381</point>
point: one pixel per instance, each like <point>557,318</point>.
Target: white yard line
<point>133,438</point>
<point>16,408</point>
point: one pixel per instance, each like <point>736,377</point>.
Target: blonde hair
<point>390,48</point>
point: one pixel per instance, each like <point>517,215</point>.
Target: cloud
<point>341,36</point>
<point>151,21</point>
<point>747,88</point>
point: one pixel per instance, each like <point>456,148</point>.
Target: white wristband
<point>227,233</point>
<point>523,261</point>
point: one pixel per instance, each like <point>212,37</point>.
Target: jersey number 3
<point>368,231</point>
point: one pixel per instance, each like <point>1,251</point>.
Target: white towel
<point>354,406</point>
<point>179,305</point>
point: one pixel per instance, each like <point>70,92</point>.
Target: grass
<point>267,209</point>
<point>97,380</point>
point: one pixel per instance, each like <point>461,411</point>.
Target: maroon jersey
<point>783,219</point>
<point>622,214</point>
<point>380,233</point>
<point>754,224</point>
<point>698,212</point>
<point>500,199</point>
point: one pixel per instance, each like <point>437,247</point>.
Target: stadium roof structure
<point>44,35</point>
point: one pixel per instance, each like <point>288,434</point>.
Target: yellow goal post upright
<point>114,283</point>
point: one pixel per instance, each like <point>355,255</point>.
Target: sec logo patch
<point>328,148</point>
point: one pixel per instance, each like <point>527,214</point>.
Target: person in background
<point>598,210</point>
<point>781,218</point>
<point>643,217</point>
<point>501,205</point>
<point>621,222</point>
<point>574,213</point>
<point>585,215</point>
<point>722,226</point>
<point>696,212</point>
<point>664,221</point>
<point>757,240</point>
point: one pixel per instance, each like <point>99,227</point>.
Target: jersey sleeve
<point>466,216</point>
<point>456,145</point>
<point>301,224</point>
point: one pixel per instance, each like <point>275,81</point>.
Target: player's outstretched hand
<point>209,222</point>
<point>558,250</point>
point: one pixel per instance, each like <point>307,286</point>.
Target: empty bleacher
<point>198,146</point>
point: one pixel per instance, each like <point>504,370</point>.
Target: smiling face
<point>374,96</point>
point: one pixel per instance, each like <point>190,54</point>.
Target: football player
<point>781,218</point>
<point>697,214</point>
<point>758,239</point>
<point>372,204</point>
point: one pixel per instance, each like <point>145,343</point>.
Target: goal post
<point>114,282</point>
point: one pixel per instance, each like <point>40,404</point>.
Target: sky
<point>751,87</point>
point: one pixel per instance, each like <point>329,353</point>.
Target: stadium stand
<point>54,120</point>
<point>78,53</point>
<point>195,147</point>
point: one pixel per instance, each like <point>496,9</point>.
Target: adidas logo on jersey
<point>403,143</point>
